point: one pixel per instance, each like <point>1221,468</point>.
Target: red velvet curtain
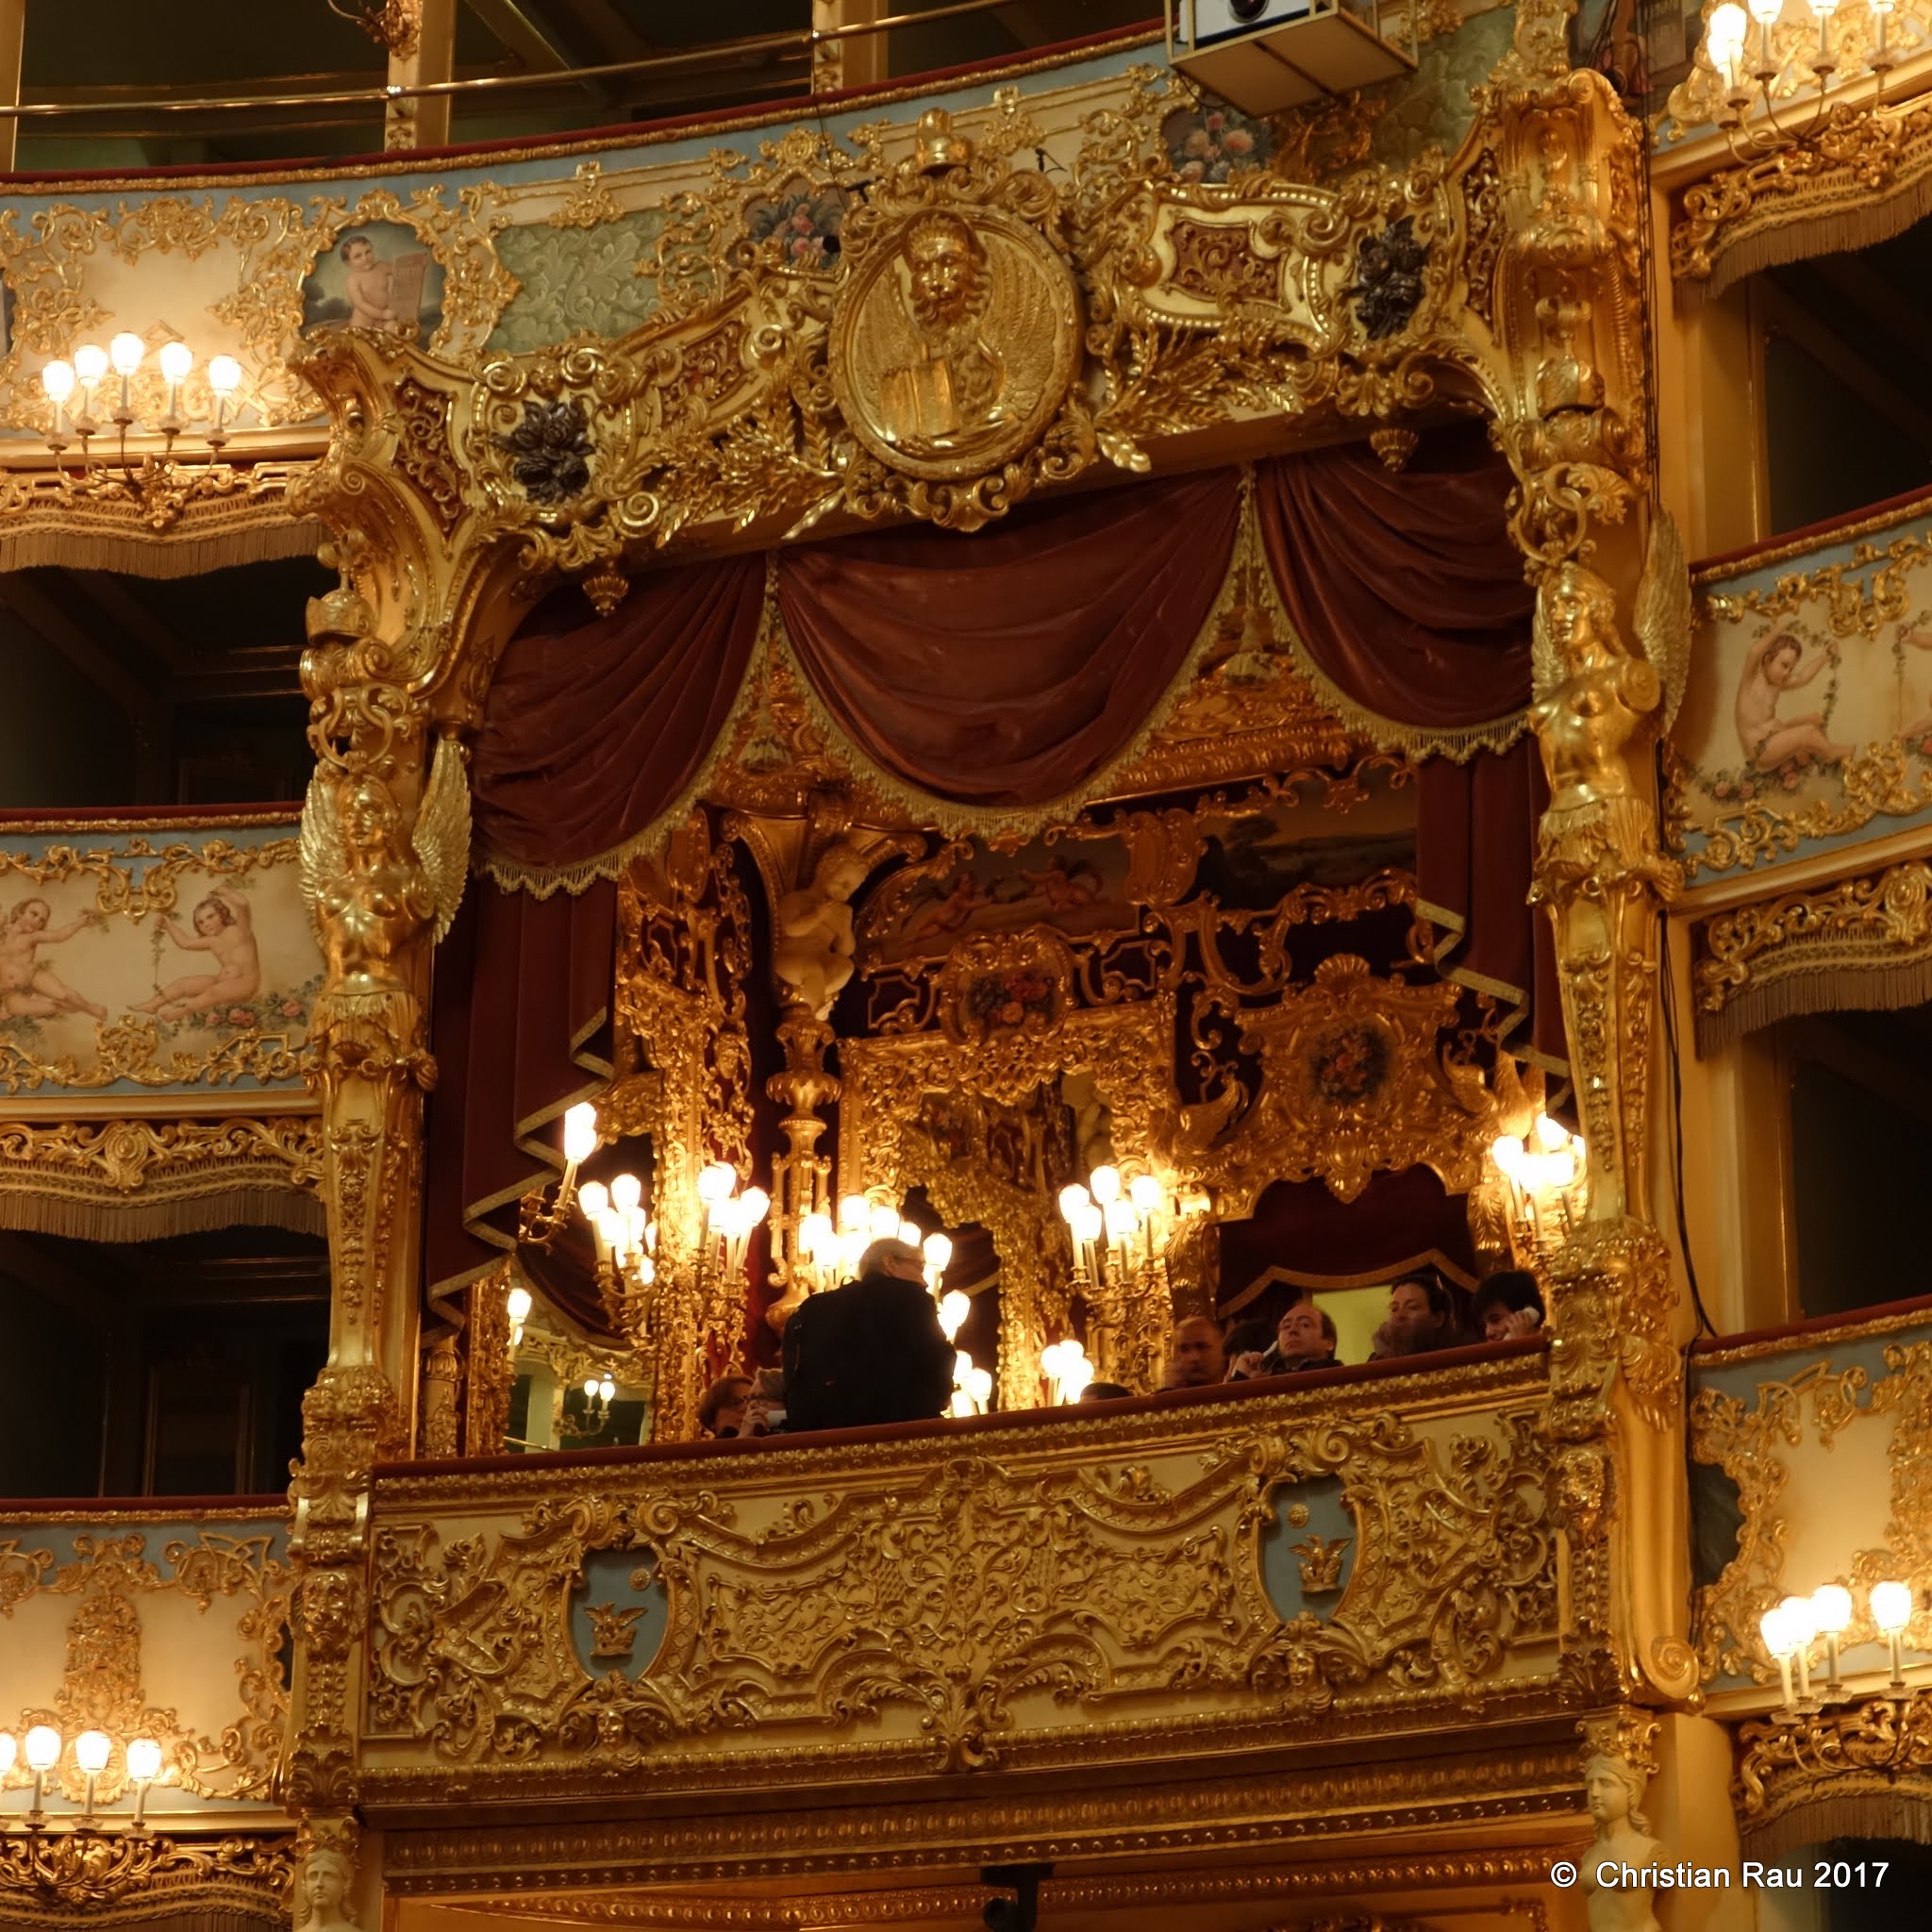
<point>1404,585</point>
<point>520,1025</point>
<point>1410,596</point>
<point>1009,669</point>
<point>591,730</point>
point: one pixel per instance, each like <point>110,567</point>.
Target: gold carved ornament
<point>48,1876</point>
<point>959,1590</point>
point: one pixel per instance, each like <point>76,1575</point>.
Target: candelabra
<point>103,383</point>
<point>1121,1231</point>
<point>1067,1369</point>
<point>1749,80</point>
<point>1546,1182</point>
<point>1789,1629</point>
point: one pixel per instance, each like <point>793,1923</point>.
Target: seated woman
<point>1508,1304</point>
<point>1422,1318</point>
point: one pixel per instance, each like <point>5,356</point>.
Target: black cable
<point>1668,991</point>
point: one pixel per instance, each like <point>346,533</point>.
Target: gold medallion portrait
<point>954,344</point>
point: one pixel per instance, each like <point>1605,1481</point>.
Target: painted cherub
<point>370,285</point>
<point>1770,669</point>
<point>225,927</point>
<point>1917,734</point>
<point>27,989</point>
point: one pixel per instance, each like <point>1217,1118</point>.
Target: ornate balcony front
<point>1091,1635</point>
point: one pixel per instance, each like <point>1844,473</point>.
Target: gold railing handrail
<point>802,40</point>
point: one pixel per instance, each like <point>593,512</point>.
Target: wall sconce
<point>1748,87</point>
<point>88,372</point>
<point>730,1216</point>
<point>541,1217</point>
<point>42,1749</point>
<point>1792,1626</point>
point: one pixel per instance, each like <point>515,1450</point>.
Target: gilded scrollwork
<point>949,1609</point>
<point>1859,1770</point>
<point>139,1873</point>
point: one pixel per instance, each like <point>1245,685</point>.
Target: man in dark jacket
<point>870,1352</point>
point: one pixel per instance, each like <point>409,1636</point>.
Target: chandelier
<point>1546,1182</point>
<point>1749,77</point>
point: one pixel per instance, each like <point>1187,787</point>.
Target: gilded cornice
<point>1260,1810</point>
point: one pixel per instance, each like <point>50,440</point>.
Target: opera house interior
<point>1030,1024</point>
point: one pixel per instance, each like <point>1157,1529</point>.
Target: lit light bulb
<point>962,1366</point>
<point>144,1760</point>
<point>1091,1223</point>
<point>1146,1193</point>
<point>716,1183</point>
<point>1772,1627</point>
<point>979,1382</point>
<point>124,352</point>
<point>580,1132</point>
<point>1831,1608</point>
<point>518,1305</point>
<point>817,1241</point>
<point>955,1306</point>
<point>607,1388</point>
<point>91,1750</point>
<point>853,1213</point>
<point>1552,1134</point>
<point>1507,1153</point>
<point>42,1748</point>
<point>177,358</point>
<point>1891,1610</point>
<point>91,362</point>
<point>1105,1183</point>
<point>628,1191</point>
<point>1725,35</point>
<point>1765,12</point>
<point>910,1234</point>
<point>1075,1201</point>
<point>1120,1220</point>
<point>938,1250</point>
<point>883,1223</point>
<point>224,376</point>
<point>1801,1620</point>
<point>590,1388</point>
<point>756,1204</point>
<point>57,379</point>
<point>593,1197</point>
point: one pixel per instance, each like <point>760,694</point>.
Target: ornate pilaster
<point>1563,311</point>
<point>385,849</point>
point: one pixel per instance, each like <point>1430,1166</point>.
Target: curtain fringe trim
<point>1903,1813</point>
<point>1832,990</point>
<point>1844,225</point>
<point>183,555</point>
<point>117,1219</point>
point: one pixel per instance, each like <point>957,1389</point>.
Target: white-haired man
<point>870,1352</point>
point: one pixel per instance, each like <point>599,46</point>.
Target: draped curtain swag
<point>1008,673</point>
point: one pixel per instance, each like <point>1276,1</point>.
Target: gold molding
<point>1429,1873</point>
<point>48,1878</point>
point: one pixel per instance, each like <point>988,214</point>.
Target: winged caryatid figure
<point>369,887</point>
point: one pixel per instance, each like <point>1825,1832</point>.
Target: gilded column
<point>1563,314</point>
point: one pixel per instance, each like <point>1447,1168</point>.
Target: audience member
<point>1507,1305</point>
<point>1302,1338</point>
<point>721,1411</point>
<point>870,1352</point>
<point>1422,1317</point>
<point>1247,1342</point>
<point>764,1406</point>
<point>1104,1392</point>
<point>1196,1356</point>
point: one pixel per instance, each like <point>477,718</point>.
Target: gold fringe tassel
<point>184,554</point>
<point>1902,1812</point>
<point>1845,222</point>
<point>1833,990</point>
<point>119,1218</point>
